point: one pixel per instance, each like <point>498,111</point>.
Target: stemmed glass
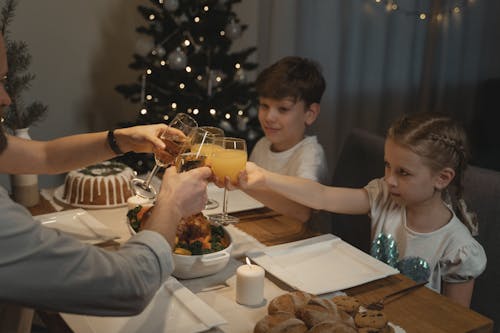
<point>217,133</point>
<point>228,162</point>
<point>201,145</point>
<point>174,145</point>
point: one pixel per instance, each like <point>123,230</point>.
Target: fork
<point>379,305</point>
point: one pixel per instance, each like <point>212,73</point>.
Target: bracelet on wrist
<point>113,144</point>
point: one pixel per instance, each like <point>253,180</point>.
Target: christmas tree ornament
<point>143,46</point>
<point>171,5</point>
<point>240,75</point>
<point>177,59</point>
<point>159,51</point>
<point>252,135</point>
<point>232,30</point>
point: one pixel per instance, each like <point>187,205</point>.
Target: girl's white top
<point>451,253</point>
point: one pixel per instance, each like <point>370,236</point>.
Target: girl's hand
<point>142,139</point>
<point>252,178</point>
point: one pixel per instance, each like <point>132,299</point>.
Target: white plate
<point>173,309</point>
<point>237,200</point>
<point>321,264</point>
<point>80,224</point>
<point>59,192</point>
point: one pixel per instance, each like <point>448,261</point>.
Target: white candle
<point>249,284</point>
<point>136,200</point>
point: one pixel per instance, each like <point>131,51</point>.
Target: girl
<point>420,223</point>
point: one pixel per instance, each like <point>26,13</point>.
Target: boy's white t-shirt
<point>449,254</point>
<point>306,159</point>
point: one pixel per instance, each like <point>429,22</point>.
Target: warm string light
<point>213,77</point>
<point>456,7</point>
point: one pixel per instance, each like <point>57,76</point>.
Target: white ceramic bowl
<point>193,266</point>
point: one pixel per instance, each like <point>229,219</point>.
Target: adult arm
<point>75,151</point>
<point>43,268</point>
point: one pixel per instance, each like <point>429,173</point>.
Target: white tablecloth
<point>217,291</point>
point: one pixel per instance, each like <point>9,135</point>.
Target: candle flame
<point>248,262</point>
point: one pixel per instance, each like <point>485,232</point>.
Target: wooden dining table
<point>421,310</point>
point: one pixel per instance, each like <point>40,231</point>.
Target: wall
<point>81,51</point>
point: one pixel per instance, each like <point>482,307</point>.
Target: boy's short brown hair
<point>295,77</point>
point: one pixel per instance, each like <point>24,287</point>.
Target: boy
<point>289,91</point>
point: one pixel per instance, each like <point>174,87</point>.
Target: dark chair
<point>482,195</point>
<point>362,159</point>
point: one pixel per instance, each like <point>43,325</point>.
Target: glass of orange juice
<point>228,162</point>
<point>205,146</point>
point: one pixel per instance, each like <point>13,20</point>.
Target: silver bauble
<point>171,5</point>
<point>240,75</point>
<point>160,51</point>
<point>144,45</point>
<point>177,59</point>
<point>232,30</point>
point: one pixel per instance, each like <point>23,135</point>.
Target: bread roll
<point>313,314</point>
<point>328,304</point>
<point>332,327</point>
<point>280,322</point>
<point>348,304</point>
<point>290,302</point>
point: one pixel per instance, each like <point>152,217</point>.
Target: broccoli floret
<point>195,247</point>
<point>133,219</point>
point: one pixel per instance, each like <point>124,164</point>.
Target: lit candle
<point>136,200</point>
<point>249,284</point>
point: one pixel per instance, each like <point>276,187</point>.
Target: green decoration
<point>18,115</point>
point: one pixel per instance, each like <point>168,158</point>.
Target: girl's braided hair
<point>442,143</point>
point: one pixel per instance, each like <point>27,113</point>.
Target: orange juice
<point>228,163</point>
<point>207,149</point>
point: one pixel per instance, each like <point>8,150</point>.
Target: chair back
<point>361,160</point>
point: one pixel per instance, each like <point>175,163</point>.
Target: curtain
<point>381,63</point>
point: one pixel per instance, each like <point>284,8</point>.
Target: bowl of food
<point>201,248</point>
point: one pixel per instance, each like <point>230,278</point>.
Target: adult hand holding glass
<point>176,141</point>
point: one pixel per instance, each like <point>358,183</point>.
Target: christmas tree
<point>18,115</point>
<point>186,64</point>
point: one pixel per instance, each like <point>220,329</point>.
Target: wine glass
<point>201,145</point>
<point>174,145</point>
<point>228,162</point>
<point>218,133</point>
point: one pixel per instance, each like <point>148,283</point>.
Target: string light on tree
<point>188,46</point>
